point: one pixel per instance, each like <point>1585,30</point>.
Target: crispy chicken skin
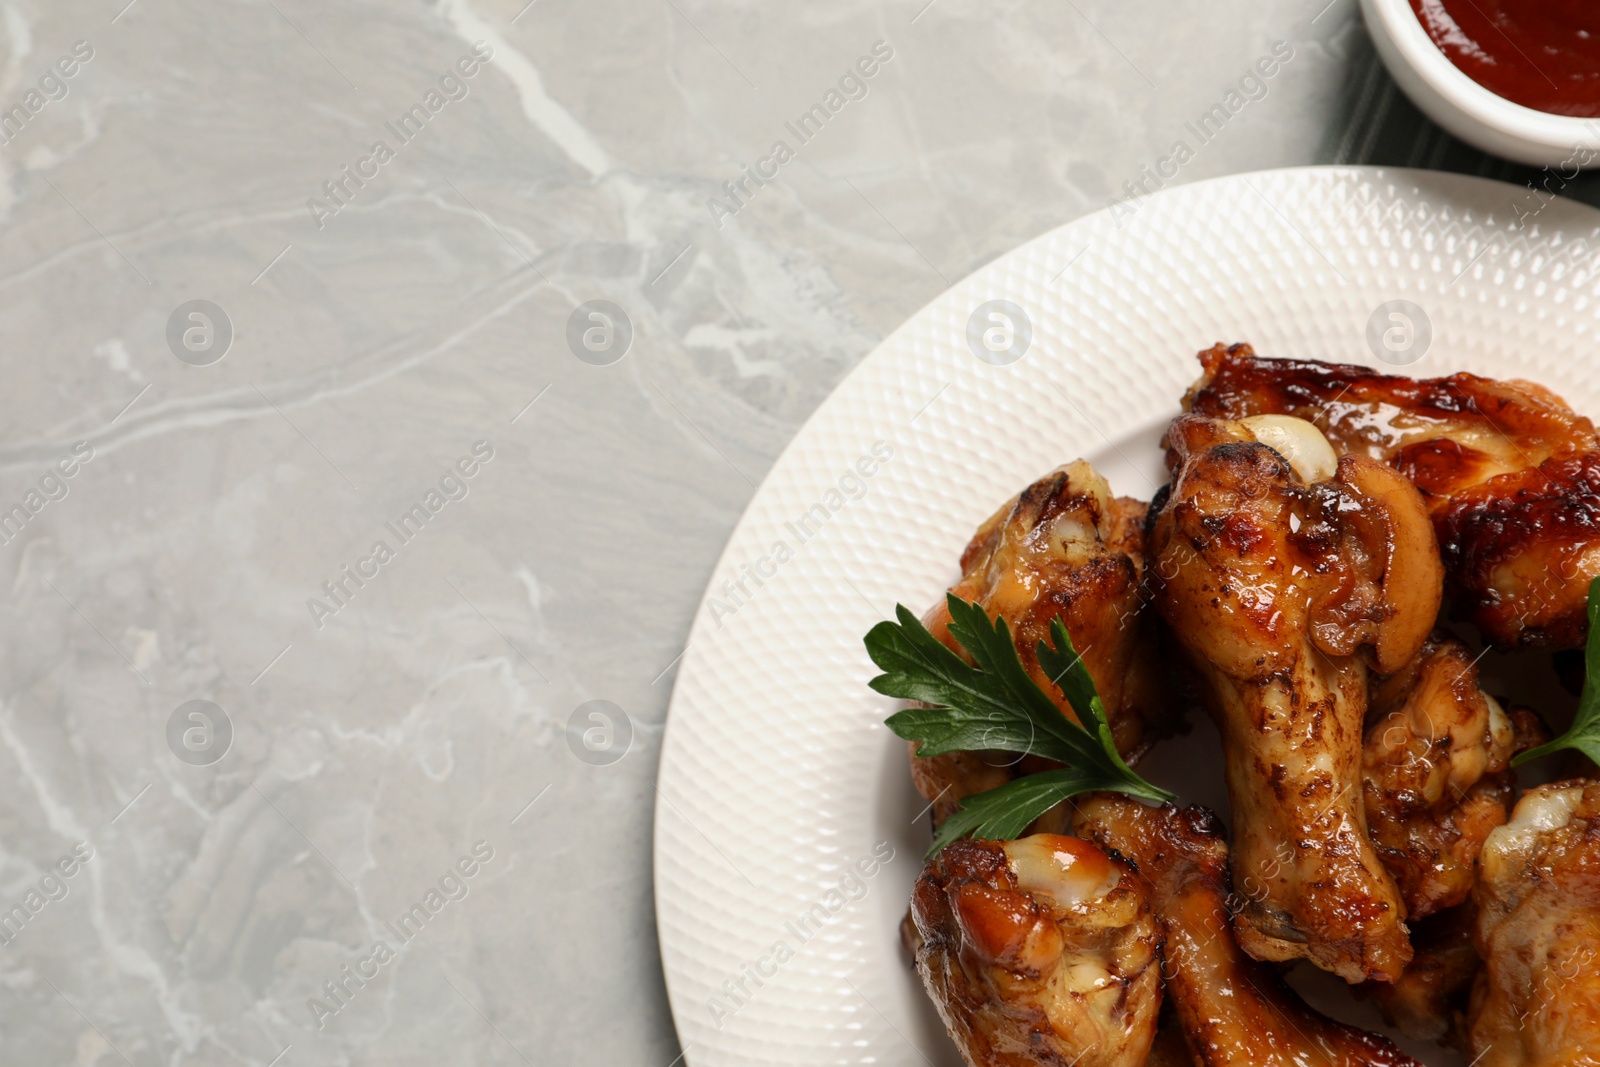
<point>1430,997</point>
<point>1436,769</point>
<point>1038,951</point>
<point>1063,548</point>
<point>1536,1003</point>
<point>1510,472</point>
<point>1272,579</point>
<point>1234,1012</point>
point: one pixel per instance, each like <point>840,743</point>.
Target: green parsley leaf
<point>1067,670</point>
<point>971,710</point>
<point>1002,814</point>
<point>1584,734</point>
<point>994,704</point>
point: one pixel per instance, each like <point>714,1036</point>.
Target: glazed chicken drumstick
<point>1038,951</point>
<point>1536,1002</point>
<point>1278,568</point>
<point>1436,769</point>
<point>1234,1012</point>
<point>1064,548</point>
<point>1511,475</point>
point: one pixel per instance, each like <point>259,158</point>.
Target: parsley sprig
<point>1584,733</point>
<point>996,705</point>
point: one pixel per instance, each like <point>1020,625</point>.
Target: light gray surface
<point>372,353</point>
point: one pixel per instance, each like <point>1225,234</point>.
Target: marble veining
<point>492,694</point>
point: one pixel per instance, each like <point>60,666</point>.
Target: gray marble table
<point>310,418</point>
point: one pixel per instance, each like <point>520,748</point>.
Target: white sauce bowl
<point>1450,97</point>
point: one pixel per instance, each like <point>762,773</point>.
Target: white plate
<point>777,776</point>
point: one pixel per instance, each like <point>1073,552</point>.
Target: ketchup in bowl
<point>1543,54</point>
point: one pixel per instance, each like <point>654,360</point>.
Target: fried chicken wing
<point>1234,1012</point>
<point>1064,548</point>
<point>1274,568</point>
<point>1436,769</point>
<point>1536,1003</point>
<point>1038,951</point>
<point>1510,472</point>
<point>1430,996</point>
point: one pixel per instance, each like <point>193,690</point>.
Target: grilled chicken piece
<point>1430,997</point>
<point>1038,951</point>
<point>1234,1011</point>
<point>1274,567</point>
<point>1437,771</point>
<point>1510,472</point>
<point>1064,548</point>
<point>1536,1003</point>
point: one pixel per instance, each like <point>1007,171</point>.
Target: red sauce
<point>1543,54</point>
